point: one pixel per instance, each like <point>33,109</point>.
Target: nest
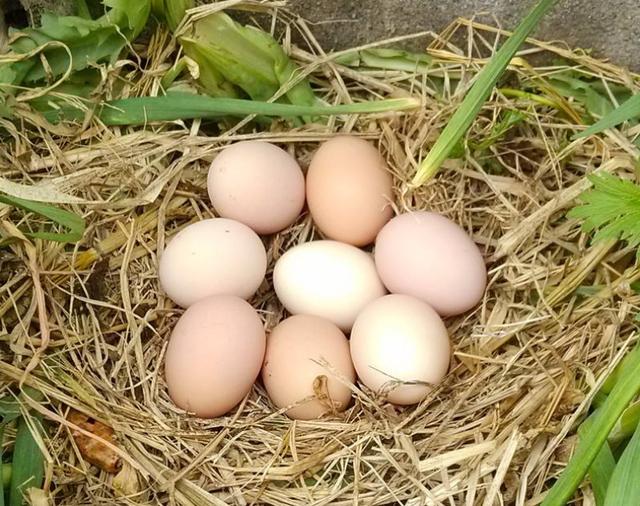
<point>91,324</point>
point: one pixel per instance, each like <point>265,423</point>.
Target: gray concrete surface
<point>610,28</point>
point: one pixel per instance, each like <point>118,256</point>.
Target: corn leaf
<point>180,106</point>
<point>27,461</point>
<point>478,94</point>
<point>625,112</point>
<point>604,419</point>
<point>624,486</point>
<point>74,224</point>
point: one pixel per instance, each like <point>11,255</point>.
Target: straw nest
<point>92,323</point>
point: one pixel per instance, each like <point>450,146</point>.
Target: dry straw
<point>557,314</point>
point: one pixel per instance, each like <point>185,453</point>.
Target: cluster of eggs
<point>398,344</point>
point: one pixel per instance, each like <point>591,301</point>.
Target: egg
<point>258,184</point>
<point>293,368</point>
<point>214,355</point>
<point>212,257</point>
<point>430,257</point>
<point>398,338</point>
<point>329,279</point>
<point>349,190</point>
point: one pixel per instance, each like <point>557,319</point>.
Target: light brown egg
<point>212,257</point>
<point>430,257</point>
<point>214,355</point>
<point>398,340</point>
<point>349,190</point>
<point>296,348</point>
<point>258,184</point>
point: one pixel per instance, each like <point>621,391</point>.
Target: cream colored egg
<point>399,347</point>
<point>214,355</point>
<point>430,257</point>
<point>212,257</point>
<point>258,184</point>
<point>306,362</point>
<point>329,279</point>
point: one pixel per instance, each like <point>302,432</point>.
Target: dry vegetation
<point>93,324</point>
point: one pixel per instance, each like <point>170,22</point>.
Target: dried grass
<point>526,361</point>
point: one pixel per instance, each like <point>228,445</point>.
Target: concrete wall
<point>610,27</point>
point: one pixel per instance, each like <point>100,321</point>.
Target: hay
<point>557,315</point>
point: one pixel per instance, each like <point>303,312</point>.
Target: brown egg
<point>214,355</point>
<point>430,257</point>
<point>349,190</point>
<point>292,365</point>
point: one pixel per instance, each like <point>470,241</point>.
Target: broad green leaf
<point>478,94</point>
<point>626,425</point>
<point>27,461</point>
<point>624,391</point>
<point>626,111</point>
<point>180,106</point>
<point>602,467</point>
<point>71,221</point>
<point>171,11</point>
<point>624,486</point>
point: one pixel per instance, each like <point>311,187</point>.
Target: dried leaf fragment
<point>91,449</point>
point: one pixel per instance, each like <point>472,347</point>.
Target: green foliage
<point>611,209</point>
<point>74,224</point>
<point>627,111</point>
<point>171,11</point>
<point>602,467</point>
<point>478,94</point>
<point>233,58</point>
<point>624,486</point>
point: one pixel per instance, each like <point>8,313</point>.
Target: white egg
<point>329,279</point>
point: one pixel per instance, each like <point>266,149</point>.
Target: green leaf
<point>509,119</point>
<point>71,221</point>
<point>602,467</point>
<point>626,424</point>
<point>171,11</point>
<point>478,94</point>
<point>88,41</point>
<point>180,106</point>
<point>28,461</point>
<point>611,208</point>
<point>604,419</point>
<point>624,487</point>
<point>626,111</point>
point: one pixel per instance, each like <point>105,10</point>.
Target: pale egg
<point>430,257</point>
<point>308,362</point>
<point>329,279</point>
<point>214,355</point>
<point>258,184</point>
<point>212,257</point>
<point>400,347</point>
<point>349,190</point>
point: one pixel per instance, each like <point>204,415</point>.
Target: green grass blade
<point>602,467</point>
<point>624,487</point>
<point>180,106</point>
<point>28,462</point>
<point>626,425</point>
<point>478,94</point>
<point>71,221</point>
<point>625,389</point>
<point>626,111</point>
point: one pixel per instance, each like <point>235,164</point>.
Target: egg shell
<point>400,338</point>
<point>349,190</point>
<point>329,279</point>
<point>430,257</point>
<point>214,355</point>
<point>212,257</point>
<point>258,184</point>
<point>296,348</point>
